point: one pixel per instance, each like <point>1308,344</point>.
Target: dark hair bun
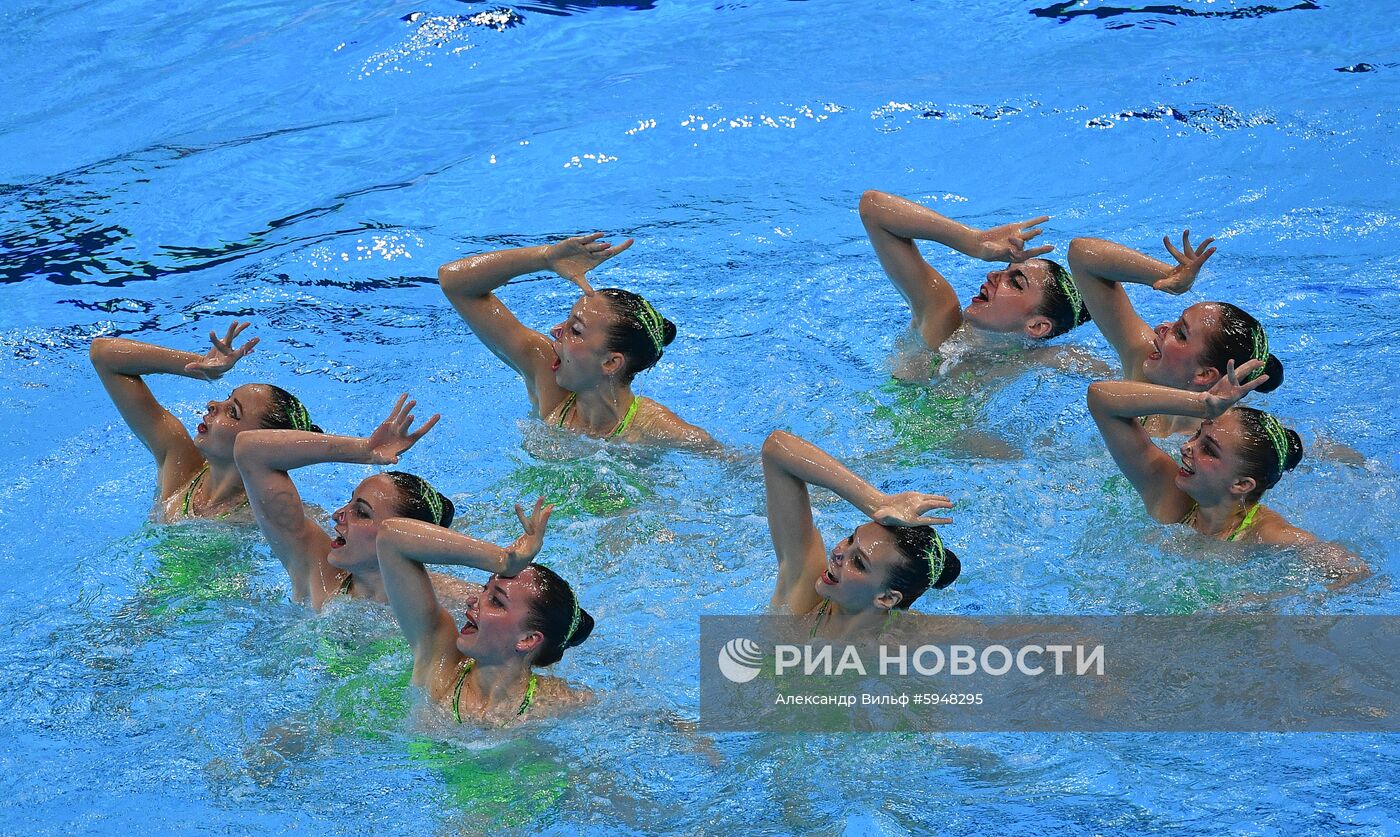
<point>668,331</point>
<point>584,630</point>
<point>1295,448</point>
<point>448,510</point>
<point>315,428</point>
<point>952,568</point>
<point>1273,367</point>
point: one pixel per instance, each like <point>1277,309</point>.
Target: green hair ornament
<point>297,415</point>
<point>1278,437</point>
<point>937,559</point>
<point>1071,291</point>
<point>653,323</point>
<point>573,623</point>
<point>432,499</point>
<point>1261,351</point>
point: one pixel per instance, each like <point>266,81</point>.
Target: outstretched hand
<point>1228,390</point>
<point>572,258</point>
<point>1188,264</point>
<point>396,435</point>
<point>908,509</point>
<point>522,553</point>
<point>1007,243</point>
<point>222,356</point>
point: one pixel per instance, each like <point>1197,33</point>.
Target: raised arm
<point>470,285</point>
<point>264,459</point>
<point>120,364</point>
<point>405,545</point>
<point>1099,268</point>
<point>894,224</point>
<point>1116,407</point>
<point>790,464</point>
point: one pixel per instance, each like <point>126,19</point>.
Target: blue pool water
<point>168,167</point>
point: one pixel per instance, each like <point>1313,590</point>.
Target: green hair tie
<point>1076,301</point>
<point>1278,437</point>
<point>573,623</point>
<point>432,499</point>
<point>937,559</point>
<point>297,415</point>
<point>652,323</point>
<point>1261,351</point>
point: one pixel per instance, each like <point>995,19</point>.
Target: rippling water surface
<point>164,168</point>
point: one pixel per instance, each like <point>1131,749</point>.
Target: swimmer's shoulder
<point>555,695</point>
<point>657,424</point>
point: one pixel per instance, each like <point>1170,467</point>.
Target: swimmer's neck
<point>224,482</point>
<point>1219,519</point>
<point>368,584</point>
<point>846,625</point>
<point>496,684</point>
<point>601,408</point>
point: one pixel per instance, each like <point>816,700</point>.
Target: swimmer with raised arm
<point>579,378</point>
<point>525,617</point>
<point>195,476</point>
<point>1031,296</point>
<point>1236,454</point>
<point>323,566</point>
<point>1190,353</point>
<point>880,568</point>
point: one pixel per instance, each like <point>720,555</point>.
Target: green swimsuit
<point>188,503</point>
<point>525,702</point>
<point>1239,530</point>
<point>617,431</point>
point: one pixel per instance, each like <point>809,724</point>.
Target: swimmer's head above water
<point>1034,298</point>
<point>1237,456</point>
<point>377,499</point>
<point>535,615</point>
<point>1192,352</point>
<point>609,335</point>
<point>886,567</point>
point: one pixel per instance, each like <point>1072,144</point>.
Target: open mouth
<point>338,542</point>
<point>1156,353</point>
<point>1186,469</point>
<point>984,294</point>
<point>826,577</point>
<point>469,627</point>
<point>202,428</point>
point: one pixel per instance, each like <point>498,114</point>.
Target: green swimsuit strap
<point>189,492</point>
<point>617,431</point>
<point>1190,516</point>
<point>525,703</point>
<point>626,419</point>
<point>564,411</point>
<point>345,585</point>
<point>1244,524</point>
<point>821,614</point>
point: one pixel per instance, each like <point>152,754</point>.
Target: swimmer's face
<point>224,420</point>
<point>1210,462</point>
<point>1177,349</point>
<point>582,358</point>
<point>1007,302</point>
<point>493,627</point>
<point>375,500</point>
<point>857,571</point>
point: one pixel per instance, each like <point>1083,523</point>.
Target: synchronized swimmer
<point>1184,376</point>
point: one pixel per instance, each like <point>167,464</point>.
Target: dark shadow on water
<point>1065,11</point>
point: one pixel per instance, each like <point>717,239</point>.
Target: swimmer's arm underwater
<point>469,284</point>
<point>120,364</point>
<point>894,224</point>
<point>1116,407</point>
<point>1099,267</point>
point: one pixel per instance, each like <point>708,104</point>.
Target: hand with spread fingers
<point>1188,264</point>
<point>572,258</point>
<point>522,553</point>
<point>1007,243</point>
<point>909,508</point>
<point>222,356</point>
<point>390,439</point>
<point>1229,389</point>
